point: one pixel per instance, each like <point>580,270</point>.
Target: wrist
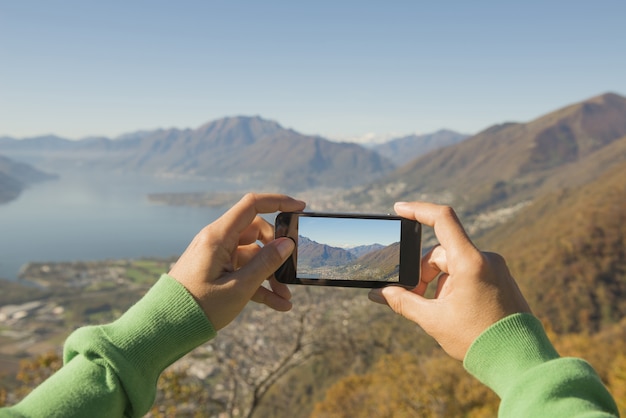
<point>507,349</point>
<point>160,328</point>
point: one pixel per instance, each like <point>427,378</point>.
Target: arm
<point>112,370</point>
<point>515,359</point>
<point>479,314</point>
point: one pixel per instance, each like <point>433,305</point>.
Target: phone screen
<point>348,249</point>
<point>354,250</point>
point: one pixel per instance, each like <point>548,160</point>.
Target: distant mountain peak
<point>404,149</point>
<point>607,97</point>
<point>238,130</point>
<point>232,122</point>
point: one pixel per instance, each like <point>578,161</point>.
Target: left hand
<point>224,267</point>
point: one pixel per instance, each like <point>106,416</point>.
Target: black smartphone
<point>351,250</point>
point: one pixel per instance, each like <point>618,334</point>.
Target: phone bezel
<point>286,225</point>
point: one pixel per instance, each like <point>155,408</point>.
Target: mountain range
<point>364,249</point>
<point>502,166</point>
<point>245,150</point>
<point>565,244</point>
<point>512,162</point>
<point>314,254</point>
<point>376,261</point>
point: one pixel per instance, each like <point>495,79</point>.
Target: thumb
<point>404,302</point>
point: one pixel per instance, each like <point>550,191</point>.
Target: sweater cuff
<point>507,349</point>
<point>160,328</point>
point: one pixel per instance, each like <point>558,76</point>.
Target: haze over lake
<point>95,217</point>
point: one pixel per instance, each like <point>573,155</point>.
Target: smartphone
<point>350,250</point>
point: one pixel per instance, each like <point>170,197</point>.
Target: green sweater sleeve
<point>112,370</point>
<point>516,360</point>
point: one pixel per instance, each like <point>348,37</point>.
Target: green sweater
<point>517,361</point>
<point>112,370</point>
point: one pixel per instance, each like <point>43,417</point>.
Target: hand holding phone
<point>350,250</point>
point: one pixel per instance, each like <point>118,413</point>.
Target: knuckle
<point>249,198</point>
<point>446,211</point>
<point>493,258</point>
<point>203,237</point>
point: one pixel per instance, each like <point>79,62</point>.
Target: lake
<point>95,217</point>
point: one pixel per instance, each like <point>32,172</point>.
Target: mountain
<point>245,150</point>
<point>364,249</point>
<point>567,250</point>
<point>383,262</point>
<point>407,148</point>
<point>14,177</point>
<point>313,254</point>
<point>10,188</point>
<point>512,162</point>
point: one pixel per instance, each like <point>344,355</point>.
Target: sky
<point>349,232</point>
<point>346,70</point>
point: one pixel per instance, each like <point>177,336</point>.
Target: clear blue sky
<point>335,68</point>
<point>348,233</point>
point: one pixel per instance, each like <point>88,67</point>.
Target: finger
<point>404,302</point>
<point>263,265</point>
<point>280,289</point>
<point>271,299</point>
<point>430,269</point>
<point>421,287</point>
<point>433,263</point>
<point>239,217</point>
<point>245,253</point>
<point>443,219</point>
<point>258,230</point>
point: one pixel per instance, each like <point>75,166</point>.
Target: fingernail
<point>375,296</point>
<point>400,204</point>
<point>285,247</point>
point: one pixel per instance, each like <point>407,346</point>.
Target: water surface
<point>95,217</point>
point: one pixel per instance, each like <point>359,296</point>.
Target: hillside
<point>314,254</point>
<point>15,176</point>
<point>244,151</point>
<point>512,162</point>
<point>568,252</point>
<point>10,188</point>
<point>407,148</point>
<point>566,248</point>
<point>384,261</point>
<point>364,249</point>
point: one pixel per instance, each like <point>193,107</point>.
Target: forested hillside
<point>567,252</point>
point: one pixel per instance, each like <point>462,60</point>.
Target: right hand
<point>474,289</point>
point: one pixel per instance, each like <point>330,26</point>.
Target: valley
<point>548,194</point>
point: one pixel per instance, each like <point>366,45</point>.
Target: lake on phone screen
<point>97,217</point>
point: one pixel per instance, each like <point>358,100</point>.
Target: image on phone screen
<point>348,249</point>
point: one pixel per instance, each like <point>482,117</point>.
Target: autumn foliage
<point>435,386</point>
